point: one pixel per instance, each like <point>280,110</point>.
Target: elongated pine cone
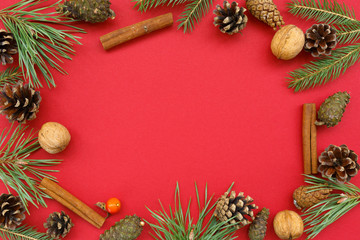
<point>19,103</point>
<point>257,229</point>
<point>239,206</point>
<point>230,19</point>
<point>12,211</point>
<point>8,47</point>
<point>128,228</point>
<point>320,39</point>
<point>266,11</point>
<point>58,225</point>
<point>338,163</point>
<point>303,198</point>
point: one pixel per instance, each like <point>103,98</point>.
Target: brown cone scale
<point>305,198</point>
<point>266,11</point>
<point>12,211</point>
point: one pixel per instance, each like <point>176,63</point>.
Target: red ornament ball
<point>113,205</point>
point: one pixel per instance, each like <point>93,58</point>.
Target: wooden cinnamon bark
<point>313,141</point>
<point>306,133</point>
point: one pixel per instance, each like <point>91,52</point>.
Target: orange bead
<point>113,205</point>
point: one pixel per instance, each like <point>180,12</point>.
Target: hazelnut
<point>288,225</point>
<point>288,42</point>
<point>54,137</point>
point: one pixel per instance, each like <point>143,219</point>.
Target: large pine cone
<point>320,39</point>
<point>19,103</point>
<point>303,198</point>
<point>239,206</point>
<point>11,211</point>
<point>339,163</point>
<point>8,47</point>
<point>128,228</point>
<point>92,11</point>
<point>230,19</point>
<point>58,224</point>
<point>266,11</point>
<point>257,229</point>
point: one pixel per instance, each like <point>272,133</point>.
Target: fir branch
<point>328,11</point>
<point>348,33</point>
<point>39,44</point>
<point>23,233</point>
<point>10,76</point>
<point>179,225</point>
<point>15,165</point>
<point>144,5</point>
<point>194,11</point>
<point>320,72</point>
<point>326,212</point>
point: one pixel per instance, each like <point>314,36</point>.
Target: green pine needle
<point>23,233</point>
<point>178,224</point>
<point>194,11</point>
<point>15,166</point>
<point>322,71</point>
<point>144,5</point>
<point>326,212</point>
<point>10,76</point>
<point>348,33</point>
<point>328,11</point>
<point>39,44</point>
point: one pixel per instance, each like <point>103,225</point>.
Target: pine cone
<point>58,225</point>
<point>128,228</point>
<point>19,103</point>
<point>332,109</point>
<point>257,230</point>
<point>320,39</point>
<point>11,211</point>
<point>266,11</point>
<point>230,19</point>
<point>239,206</point>
<point>92,11</point>
<point>8,47</point>
<point>339,163</point>
<point>304,199</point>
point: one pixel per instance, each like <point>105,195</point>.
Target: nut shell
<point>54,137</point>
<point>288,42</point>
<point>288,225</point>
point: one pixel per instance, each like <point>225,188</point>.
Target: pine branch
<point>15,166</point>
<point>326,212</point>
<point>348,33</point>
<point>23,233</point>
<point>194,11</point>
<point>322,71</point>
<point>10,76</point>
<point>39,44</point>
<point>144,5</point>
<point>328,11</point>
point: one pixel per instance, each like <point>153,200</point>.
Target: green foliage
<point>326,212</point>
<point>39,44</point>
<point>144,5</point>
<point>15,148</point>
<point>23,233</point>
<point>348,33</point>
<point>10,75</point>
<point>322,71</point>
<point>178,224</point>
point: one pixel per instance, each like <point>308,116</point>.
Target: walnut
<point>288,42</point>
<point>54,137</point>
<point>288,225</point>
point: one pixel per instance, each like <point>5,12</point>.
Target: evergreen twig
<point>144,5</point>
<point>23,233</point>
<point>178,224</point>
<point>326,212</point>
<point>15,148</point>
<point>39,44</point>
<point>348,33</point>
<point>10,75</point>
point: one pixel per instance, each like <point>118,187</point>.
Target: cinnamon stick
<point>128,33</point>
<point>71,202</point>
<point>306,135</point>
<point>313,142</point>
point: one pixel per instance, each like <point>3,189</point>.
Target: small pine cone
<point>128,228</point>
<point>257,229</point>
<point>266,11</point>
<point>320,39</point>
<point>230,19</point>
<point>58,225</point>
<point>8,47</point>
<point>339,163</point>
<point>11,211</point>
<point>239,206</point>
<point>19,103</point>
<point>305,199</point>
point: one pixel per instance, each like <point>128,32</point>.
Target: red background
<point>168,107</point>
